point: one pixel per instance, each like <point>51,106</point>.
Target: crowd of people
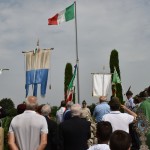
<point>75,128</point>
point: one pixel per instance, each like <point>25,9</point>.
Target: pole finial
<point>38,42</point>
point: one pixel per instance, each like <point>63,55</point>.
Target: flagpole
<point>77,58</point>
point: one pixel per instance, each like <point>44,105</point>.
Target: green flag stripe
<point>69,14</point>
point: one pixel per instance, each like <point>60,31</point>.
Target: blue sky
<point>103,25</point>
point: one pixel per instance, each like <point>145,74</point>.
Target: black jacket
<point>74,134</point>
<point>52,140</point>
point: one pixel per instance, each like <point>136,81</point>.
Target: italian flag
<point>63,16</point>
<point>70,90</point>
<point>70,95</point>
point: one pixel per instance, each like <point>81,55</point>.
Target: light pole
<point>1,70</point>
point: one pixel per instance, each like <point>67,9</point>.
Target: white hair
<point>76,110</point>
<point>46,110</point>
<point>69,104</point>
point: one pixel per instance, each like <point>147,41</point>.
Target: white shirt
<point>59,115</point>
<point>27,128</point>
<point>118,120</point>
<point>99,147</point>
<point>130,103</point>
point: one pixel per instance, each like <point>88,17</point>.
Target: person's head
<point>120,140</point>
<point>84,104</point>
<point>63,103</point>
<point>142,95</point>
<point>69,104</point>
<point>136,99</point>
<point>104,131</point>
<point>114,104</point>
<point>102,99</point>
<point>2,112</point>
<point>148,91</point>
<point>46,110</point>
<point>39,107</point>
<point>31,103</point>
<point>75,110</point>
<point>21,108</point>
<point>129,94</point>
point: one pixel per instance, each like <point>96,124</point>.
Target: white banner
<point>101,84</point>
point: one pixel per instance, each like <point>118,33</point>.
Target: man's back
<point>99,147</point>
<point>27,128</point>
<point>52,140</point>
<point>118,120</point>
<point>67,115</point>
<point>74,134</point>
<point>100,110</point>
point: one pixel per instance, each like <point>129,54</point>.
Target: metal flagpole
<point>77,58</point>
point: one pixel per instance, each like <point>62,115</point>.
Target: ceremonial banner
<point>101,83</point>
<point>116,78</point>
<point>37,67</point>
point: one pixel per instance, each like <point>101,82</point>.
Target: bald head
<point>102,98</point>
<point>31,103</point>
<point>32,99</point>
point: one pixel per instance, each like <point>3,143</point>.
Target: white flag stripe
<point>61,17</point>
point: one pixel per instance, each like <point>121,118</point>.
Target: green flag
<point>116,78</point>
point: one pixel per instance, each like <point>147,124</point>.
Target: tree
<point>53,112</point>
<point>114,62</point>
<point>68,77</point>
<point>5,124</point>
<point>8,105</point>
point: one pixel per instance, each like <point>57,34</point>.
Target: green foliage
<point>53,111</point>
<point>68,77</point>
<point>114,62</point>
<point>9,107</point>
<point>5,124</point>
<point>12,112</point>
<point>7,104</point>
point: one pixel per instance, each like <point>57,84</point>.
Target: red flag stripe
<point>53,20</point>
<point>69,96</point>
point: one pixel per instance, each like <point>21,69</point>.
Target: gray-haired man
<point>28,131</point>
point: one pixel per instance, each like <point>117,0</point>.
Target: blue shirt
<point>100,110</point>
<point>130,103</point>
